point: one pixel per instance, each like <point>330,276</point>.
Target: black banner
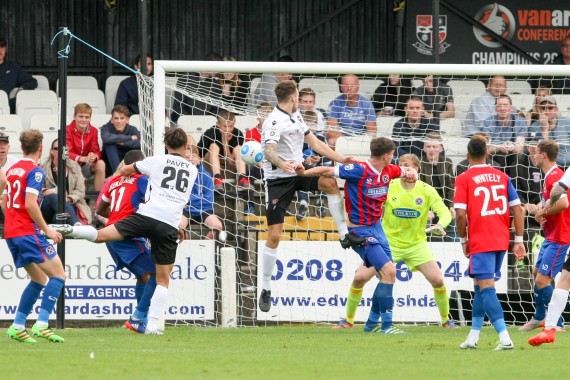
<point>535,27</point>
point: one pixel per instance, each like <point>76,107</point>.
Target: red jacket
<point>81,143</point>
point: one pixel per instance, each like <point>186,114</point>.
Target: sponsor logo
<point>381,191</point>
<point>406,213</point>
<point>497,18</point>
<point>38,177</point>
<point>349,167</point>
<point>544,266</point>
<point>424,34</point>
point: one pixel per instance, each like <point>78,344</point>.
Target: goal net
<point>313,273</point>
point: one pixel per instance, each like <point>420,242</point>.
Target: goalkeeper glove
<point>436,229</point>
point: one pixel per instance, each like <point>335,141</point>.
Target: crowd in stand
<point>510,131</point>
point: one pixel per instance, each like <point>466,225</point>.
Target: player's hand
<point>519,251</point>
<point>288,167</point>
<point>348,160</point>
<point>411,175</point>
<point>181,234</point>
<point>54,235</point>
<point>556,193</point>
<point>300,170</point>
<point>436,230</point>
<point>466,250</point>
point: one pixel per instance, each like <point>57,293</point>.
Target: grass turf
<point>302,352</point>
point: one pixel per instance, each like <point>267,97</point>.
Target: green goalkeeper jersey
<point>406,213</point>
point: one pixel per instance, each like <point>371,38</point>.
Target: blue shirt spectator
<point>352,118</point>
<point>483,106</point>
<point>550,126</point>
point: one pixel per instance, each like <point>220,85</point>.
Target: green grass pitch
<point>298,352</point>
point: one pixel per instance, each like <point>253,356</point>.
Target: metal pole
<point>63,153</point>
<point>435,31</point>
<point>144,37</point>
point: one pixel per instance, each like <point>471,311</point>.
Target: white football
<point>251,153</point>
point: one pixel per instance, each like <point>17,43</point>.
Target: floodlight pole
<point>62,154</point>
<point>144,38</point>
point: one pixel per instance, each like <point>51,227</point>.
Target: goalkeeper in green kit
<point>404,223</point>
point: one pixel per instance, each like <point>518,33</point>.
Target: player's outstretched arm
<point>556,192</point>
<point>33,209</point>
<point>319,171</point>
<point>128,170</point>
<point>325,150</point>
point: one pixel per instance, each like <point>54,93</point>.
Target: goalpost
<point>313,273</point>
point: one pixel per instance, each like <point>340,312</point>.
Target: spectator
<point>312,159</point>
<point>83,144</point>
<point>265,91</point>
<point>119,137</point>
<point>307,98</point>
<point>255,172</point>
<point>551,126</point>
<point>507,133</point>
<point>204,83</point>
<point>483,106</point>
<point>534,114</point>
<point>437,98</point>
<point>12,77</point>
<point>409,132</point>
<point>221,144</point>
<point>128,93</point>
<point>201,202</point>
<point>77,210</point>
<point>391,96</point>
<point>234,87</point>
<point>350,113</point>
<point>437,170</point>
<point>464,165</point>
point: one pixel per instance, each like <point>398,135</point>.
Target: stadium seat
<point>99,120</point>
<point>48,125</point>
<point>369,86</point>
<point>95,98</point>
<point>354,146</point>
<point>320,84</point>
<point>384,125</point>
<point>563,104</point>
<point>522,102</point>
<point>135,121</point>
<point>455,148</point>
<point>196,125</point>
<point>4,105</point>
<point>35,102</point>
<point>467,87</point>
<point>451,127</point>
<point>80,82</point>
<point>462,103</point>
<point>518,87</point>
<point>111,87</point>
<point>12,126</point>
<point>244,123</point>
<point>43,83</point>
<point>324,99</point>
<point>252,87</point>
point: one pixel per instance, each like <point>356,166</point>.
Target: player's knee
<point>328,184</point>
<point>437,282</point>
<point>542,281</point>
<point>388,273</point>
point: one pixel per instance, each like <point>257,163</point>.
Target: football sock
<point>374,315</point>
<point>156,308</point>
<point>84,232</point>
<point>139,289</point>
<point>546,297</point>
<point>556,307</point>
<point>442,302</point>
<point>386,298</point>
<point>27,300</point>
<point>337,212</point>
<point>269,257</point>
<point>493,309</point>
<point>49,298</point>
<point>540,309</point>
<point>354,297</point>
<point>478,311</point>
<point>144,303</point>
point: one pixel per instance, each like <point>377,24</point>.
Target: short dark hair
<point>380,146</point>
<point>175,138</point>
<point>31,141</point>
<point>3,41</point>
<point>133,156</point>
<point>213,56</point>
<point>119,108</point>
<point>226,115</point>
<point>550,147</point>
<point>285,89</point>
<point>138,62</point>
<point>503,96</point>
<point>477,146</point>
